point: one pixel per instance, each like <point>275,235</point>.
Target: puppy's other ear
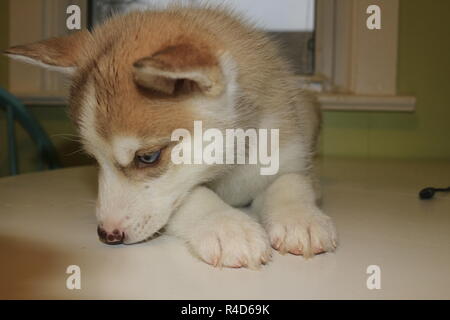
<point>58,54</point>
<point>180,67</point>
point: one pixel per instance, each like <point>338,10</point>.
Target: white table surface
<point>47,223</point>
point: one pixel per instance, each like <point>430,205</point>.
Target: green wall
<point>423,71</point>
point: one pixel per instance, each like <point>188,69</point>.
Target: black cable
<point>429,192</point>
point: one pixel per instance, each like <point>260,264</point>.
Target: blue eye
<point>148,158</point>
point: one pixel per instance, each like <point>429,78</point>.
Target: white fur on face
<point>124,149</point>
<point>141,208</point>
<point>137,208</point>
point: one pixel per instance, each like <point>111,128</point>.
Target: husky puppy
<point>139,77</point>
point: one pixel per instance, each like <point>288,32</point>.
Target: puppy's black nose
<point>115,237</point>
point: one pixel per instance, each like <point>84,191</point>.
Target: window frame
<point>356,68</point>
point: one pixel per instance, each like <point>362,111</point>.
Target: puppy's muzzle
<point>114,237</point>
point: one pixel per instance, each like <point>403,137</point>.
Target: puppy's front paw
<point>231,239</point>
<point>302,234</point>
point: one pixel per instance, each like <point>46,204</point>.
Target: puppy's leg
<point>219,234</point>
<point>292,219</point>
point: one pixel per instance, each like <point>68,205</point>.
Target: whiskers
<point>89,202</point>
<point>72,138</point>
<point>68,137</point>
<point>76,151</point>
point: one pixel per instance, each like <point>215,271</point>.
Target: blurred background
<point>421,71</point>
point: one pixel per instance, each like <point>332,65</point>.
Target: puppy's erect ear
<point>180,67</point>
<point>58,54</point>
